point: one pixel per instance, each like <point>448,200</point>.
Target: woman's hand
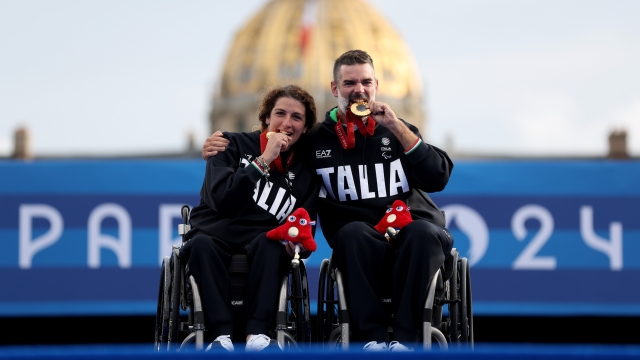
<point>276,143</point>
<point>291,248</point>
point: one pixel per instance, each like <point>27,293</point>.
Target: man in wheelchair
<point>366,158</point>
<point>402,167</point>
<point>248,190</point>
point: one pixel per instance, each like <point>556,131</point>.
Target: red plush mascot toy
<point>296,229</point>
<point>397,217</point>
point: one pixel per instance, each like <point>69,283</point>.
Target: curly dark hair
<point>291,91</point>
<point>351,57</point>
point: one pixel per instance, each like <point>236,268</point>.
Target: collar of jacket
<point>333,114</point>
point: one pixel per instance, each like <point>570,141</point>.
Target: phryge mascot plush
<point>397,217</point>
<point>296,229</point>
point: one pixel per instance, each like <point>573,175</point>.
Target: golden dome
<point>297,41</point>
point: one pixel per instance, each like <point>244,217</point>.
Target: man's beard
<point>343,102</point>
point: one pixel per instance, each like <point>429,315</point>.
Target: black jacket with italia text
<point>238,203</point>
<point>359,184</point>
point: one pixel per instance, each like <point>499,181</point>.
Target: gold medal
<point>269,133</point>
<point>360,109</point>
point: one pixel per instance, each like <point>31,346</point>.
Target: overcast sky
<point>534,77</point>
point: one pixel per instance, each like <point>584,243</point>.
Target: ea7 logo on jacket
<point>321,154</point>
<point>344,178</point>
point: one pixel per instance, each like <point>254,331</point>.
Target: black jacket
<point>359,184</point>
<point>237,204</point>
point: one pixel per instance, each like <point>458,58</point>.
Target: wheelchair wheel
<point>328,320</point>
<point>439,301</point>
<point>321,312</point>
<point>466,312</point>
<point>335,339</point>
<point>460,310</point>
<point>174,304</point>
<point>305,302</point>
<point>299,305</point>
<point>289,342</point>
<point>453,320</point>
<point>162,310</point>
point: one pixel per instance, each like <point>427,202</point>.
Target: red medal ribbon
<point>277,161</point>
<point>348,140</point>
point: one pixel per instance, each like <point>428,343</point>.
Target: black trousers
<point>367,261</point>
<point>208,260</point>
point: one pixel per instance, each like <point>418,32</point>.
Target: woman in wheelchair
<point>248,190</point>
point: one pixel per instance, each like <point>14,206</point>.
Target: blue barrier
<point>543,237</point>
<point>481,352</point>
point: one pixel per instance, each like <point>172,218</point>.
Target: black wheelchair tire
<point>469,308</point>
<point>306,309</point>
<point>162,310</point>
<point>289,342</point>
<point>174,306</point>
<point>454,305</point>
<point>332,319</point>
<point>335,338</point>
<point>297,315</point>
<point>464,316</point>
<point>321,313</point>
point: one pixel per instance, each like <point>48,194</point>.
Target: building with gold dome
<point>297,41</point>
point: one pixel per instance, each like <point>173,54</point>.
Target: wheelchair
<point>179,291</point>
<point>450,286</point>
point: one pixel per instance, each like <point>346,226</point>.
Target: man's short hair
<point>351,57</point>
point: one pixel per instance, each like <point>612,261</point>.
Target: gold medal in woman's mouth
<point>358,109</point>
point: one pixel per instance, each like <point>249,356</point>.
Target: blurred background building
<point>293,41</point>
<point>530,80</point>
<point>296,41</point>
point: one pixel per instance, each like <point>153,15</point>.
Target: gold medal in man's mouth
<point>359,109</point>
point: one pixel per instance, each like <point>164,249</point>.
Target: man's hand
<point>384,116</point>
<point>214,144</point>
<point>291,248</point>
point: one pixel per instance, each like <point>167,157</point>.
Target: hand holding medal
<point>276,143</point>
<point>271,144</point>
<point>383,114</point>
